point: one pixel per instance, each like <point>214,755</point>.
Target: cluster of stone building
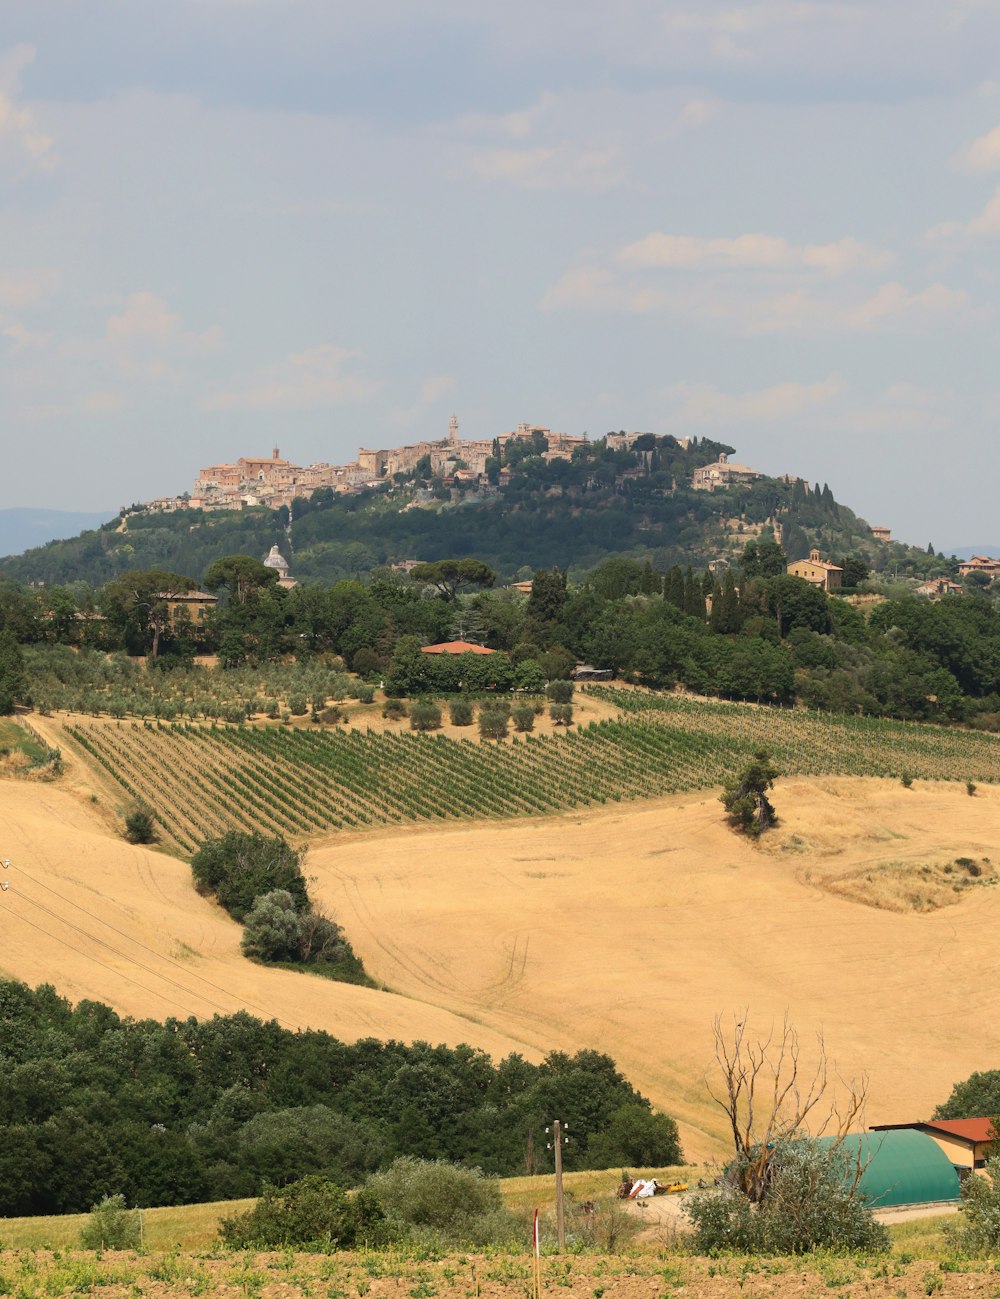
<point>274,481</point>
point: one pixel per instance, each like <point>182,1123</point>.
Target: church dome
<point>276,559</point>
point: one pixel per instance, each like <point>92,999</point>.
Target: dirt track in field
<point>625,930</point>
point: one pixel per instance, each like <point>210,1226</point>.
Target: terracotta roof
<point>976,1130</point>
<point>457,647</point>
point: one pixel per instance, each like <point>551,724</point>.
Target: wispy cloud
<point>703,404</point>
<point>18,126</point>
<point>982,154</point>
<point>660,251</point>
<point>304,381</point>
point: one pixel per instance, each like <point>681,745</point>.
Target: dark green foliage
<point>561,714</point>
<point>238,868</point>
<point>747,805</point>
<point>191,1110</point>
<point>272,931</point>
<point>637,1138</point>
<point>975,1098</point>
<point>449,574</point>
<point>140,826</point>
<point>311,1213</point>
<point>811,1203</point>
<point>12,678</point>
<point>560,692</point>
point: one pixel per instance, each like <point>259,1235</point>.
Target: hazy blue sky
<point>322,223</point>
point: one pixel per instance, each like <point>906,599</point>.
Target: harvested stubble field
<point>623,927</point>
<point>201,780</point>
<point>647,1275</point>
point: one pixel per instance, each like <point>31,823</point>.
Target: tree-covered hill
<point>536,514</point>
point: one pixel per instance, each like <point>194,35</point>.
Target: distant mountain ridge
<point>966,552</point>
<point>25,527</point>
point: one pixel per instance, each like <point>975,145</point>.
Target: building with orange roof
<point>457,647</point>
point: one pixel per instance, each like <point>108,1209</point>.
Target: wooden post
<point>557,1139</point>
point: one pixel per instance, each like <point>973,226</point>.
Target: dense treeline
<point>182,1112</point>
<point>757,633</point>
<point>570,513</point>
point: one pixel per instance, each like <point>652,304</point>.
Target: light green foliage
<point>811,1202</point>
<point>981,1210</point>
<point>524,717</point>
<point>493,724</point>
<point>111,1225</point>
<point>560,692</point>
<point>444,1201</point>
<point>272,931</point>
<point>460,712</point>
<point>424,716</point>
<point>561,714</point>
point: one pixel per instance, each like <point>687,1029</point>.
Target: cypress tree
<point>674,588</point>
<point>694,604</point>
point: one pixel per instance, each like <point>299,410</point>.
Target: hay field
<point>624,928</point>
<point>628,929</point>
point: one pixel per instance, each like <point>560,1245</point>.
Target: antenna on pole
<point>559,1139</point>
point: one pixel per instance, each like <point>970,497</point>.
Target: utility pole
<point>556,1144</point>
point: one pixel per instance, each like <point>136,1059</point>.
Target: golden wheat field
<point>625,929</point>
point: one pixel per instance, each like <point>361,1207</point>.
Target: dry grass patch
<point>913,886</point>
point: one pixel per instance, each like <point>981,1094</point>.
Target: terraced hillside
<point>203,779</point>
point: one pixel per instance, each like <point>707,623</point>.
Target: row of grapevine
<point>203,779</point>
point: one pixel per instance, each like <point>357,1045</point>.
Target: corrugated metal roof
<point>977,1130</point>
<point>903,1167</point>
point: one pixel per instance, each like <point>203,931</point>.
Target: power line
<point>153,952</point>
<point>88,956</point>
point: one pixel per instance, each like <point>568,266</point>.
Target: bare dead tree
<point>769,1097</point>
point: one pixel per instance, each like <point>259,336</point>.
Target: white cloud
<point>660,251</point>
<point>894,306</point>
<point>982,154</point>
<point>25,288</point>
<point>731,32</point>
<point>595,288</point>
<point>434,388</point>
<point>549,167</point>
<point>147,318</point>
<point>305,381</point>
<point>705,404</point>
<point>17,123</point>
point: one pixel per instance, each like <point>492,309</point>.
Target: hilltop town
<point>275,481</point>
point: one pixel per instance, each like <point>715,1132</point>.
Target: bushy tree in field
<point>746,802</point>
<point>811,1202</point>
<point>140,826</point>
<point>311,1212</point>
<point>273,930</point>
<point>636,1137</point>
<point>493,724</point>
<point>12,679</point>
<point>981,1210</point>
<point>424,716</point>
<point>111,1225</point>
<point>238,868</point>
<point>978,1096</point>
<point>443,1201</point>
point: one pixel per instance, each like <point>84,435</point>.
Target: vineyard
<point>201,780</point>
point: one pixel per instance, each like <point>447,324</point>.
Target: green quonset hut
<point>903,1167</point>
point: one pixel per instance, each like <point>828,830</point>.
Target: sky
<point>232,224</point>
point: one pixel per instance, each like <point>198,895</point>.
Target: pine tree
<point>12,680</point>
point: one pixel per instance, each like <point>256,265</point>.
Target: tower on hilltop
<point>453,430</point>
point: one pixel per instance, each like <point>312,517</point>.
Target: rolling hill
<point>622,928</point>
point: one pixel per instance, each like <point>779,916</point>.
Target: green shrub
<point>561,714</point>
<point>311,1212</point>
<point>524,717</point>
<point>460,712</point>
<point>273,931</point>
<point>365,694</point>
<point>365,662</point>
<point>747,806</point>
<point>297,705</point>
<point>238,868</point>
<point>906,780</point>
<point>394,709</point>
<point>424,716</point>
<point>560,692</point>
<point>981,1210</point>
<point>493,724</point>
<point>811,1203</point>
<point>140,826</point>
<point>111,1225</point>
<point>444,1202</point>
